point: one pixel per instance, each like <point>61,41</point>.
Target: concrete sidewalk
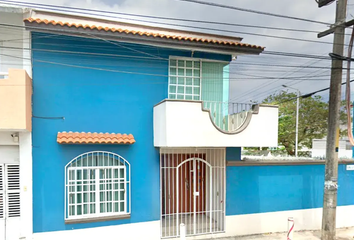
<point>342,234</point>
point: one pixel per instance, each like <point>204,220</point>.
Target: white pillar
<point>182,231</point>
<point>26,223</point>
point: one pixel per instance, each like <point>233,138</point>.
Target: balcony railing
<point>228,116</point>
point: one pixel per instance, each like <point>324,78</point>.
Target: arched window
<point>97,184</point>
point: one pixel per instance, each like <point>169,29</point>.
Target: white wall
<point>13,40</point>
<point>184,124</point>
<point>319,149</point>
<point>25,152</point>
<point>237,225</point>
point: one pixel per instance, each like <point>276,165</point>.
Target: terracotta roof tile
<point>94,138</point>
<point>145,33</point>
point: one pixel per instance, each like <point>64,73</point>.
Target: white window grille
<point>9,191</point>
<point>1,192</point>
<point>97,185</point>
<point>184,79</point>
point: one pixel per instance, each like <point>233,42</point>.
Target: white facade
<point>15,41</point>
<point>15,146</point>
<point>319,149</point>
<point>185,124</point>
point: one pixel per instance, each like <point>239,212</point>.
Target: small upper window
<point>184,79</point>
<point>97,185</point>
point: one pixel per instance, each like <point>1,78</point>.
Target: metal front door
<point>9,201</point>
<point>192,186</point>
<point>192,191</point>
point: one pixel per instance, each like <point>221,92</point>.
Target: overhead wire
<point>188,26</point>
<point>213,4</point>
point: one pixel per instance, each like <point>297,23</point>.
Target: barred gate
<point>192,191</point>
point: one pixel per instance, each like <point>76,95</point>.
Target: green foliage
<point>313,114</point>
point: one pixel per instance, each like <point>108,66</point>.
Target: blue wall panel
<point>259,189</point>
<point>119,99</point>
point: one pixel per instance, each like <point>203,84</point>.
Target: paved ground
<point>342,234</point>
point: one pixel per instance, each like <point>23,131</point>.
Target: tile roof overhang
<point>94,138</point>
<point>90,27</point>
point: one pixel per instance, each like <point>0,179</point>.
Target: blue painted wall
<point>94,100</point>
<point>233,154</point>
<point>259,189</point>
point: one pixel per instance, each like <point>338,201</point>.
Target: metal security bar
<point>228,116</point>
<point>9,191</point>
<point>192,190</point>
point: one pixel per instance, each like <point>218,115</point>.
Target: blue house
<point>134,136</point>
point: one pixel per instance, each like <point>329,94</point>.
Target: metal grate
<point>192,191</point>
<point>1,192</point>
<point>13,190</point>
<point>97,184</point>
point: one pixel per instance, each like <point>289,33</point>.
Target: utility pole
<point>331,170</point>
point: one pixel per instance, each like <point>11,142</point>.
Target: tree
<point>313,115</point>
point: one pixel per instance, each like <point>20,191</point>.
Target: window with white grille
<point>97,184</point>
<point>13,190</point>
<point>184,79</point>
<point>1,192</point>
<point>9,191</point>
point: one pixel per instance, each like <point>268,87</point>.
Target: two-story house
<point>130,134</point>
<point>15,126</point>
<point>133,128</point>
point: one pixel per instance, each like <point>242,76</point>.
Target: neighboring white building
<point>15,127</point>
<point>319,148</point>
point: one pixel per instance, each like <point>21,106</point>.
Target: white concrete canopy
<point>179,123</point>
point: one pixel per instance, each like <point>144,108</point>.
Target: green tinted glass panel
<point>189,64</point>
<point>172,89</point>
<point>189,90</point>
<point>180,89</point>
<point>172,71</point>
<point>180,71</point>
<point>180,80</point>
<point>79,210</point>
<point>173,80</point>
<point>173,62</point>
<point>189,81</point>
<point>181,63</point>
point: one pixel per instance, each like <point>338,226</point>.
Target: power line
<point>205,28</point>
<point>287,54</point>
<point>254,11</point>
<point>156,17</point>
<point>125,72</point>
<point>311,93</point>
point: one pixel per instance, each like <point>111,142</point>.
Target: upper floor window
<point>97,184</point>
<point>184,79</point>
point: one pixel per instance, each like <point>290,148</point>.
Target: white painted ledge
<point>179,123</point>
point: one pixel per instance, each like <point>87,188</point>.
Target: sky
<point>250,81</point>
